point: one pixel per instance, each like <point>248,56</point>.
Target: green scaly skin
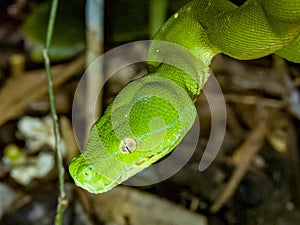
<point>157,110</point>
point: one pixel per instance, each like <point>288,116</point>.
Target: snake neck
<point>191,81</point>
<point>187,65</point>
<point>208,27</point>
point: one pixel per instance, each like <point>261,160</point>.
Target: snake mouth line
<point>139,163</point>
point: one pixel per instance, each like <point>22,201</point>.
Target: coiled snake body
<point>151,115</point>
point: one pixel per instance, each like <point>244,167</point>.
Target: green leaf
<point>68,37</point>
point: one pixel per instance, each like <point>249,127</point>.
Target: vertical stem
<point>57,139</point>
<point>95,40</point>
<point>157,15</point>
<point>51,23</point>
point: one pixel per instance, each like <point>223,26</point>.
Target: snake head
<point>144,123</point>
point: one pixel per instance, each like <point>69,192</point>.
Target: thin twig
<point>246,153</point>
<point>62,202</point>
<point>95,39</point>
<point>34,85</point>
<point>253,100</point>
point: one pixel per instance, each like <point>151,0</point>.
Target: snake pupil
<point>127,146</point>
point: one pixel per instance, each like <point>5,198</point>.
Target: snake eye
<point>127,145</point>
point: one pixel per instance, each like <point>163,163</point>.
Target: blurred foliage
<point>127,20</point>
<point>68,37</point>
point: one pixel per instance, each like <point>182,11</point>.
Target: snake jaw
<point>86,177</point>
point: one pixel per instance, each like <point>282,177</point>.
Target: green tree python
<point>151,115</point>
